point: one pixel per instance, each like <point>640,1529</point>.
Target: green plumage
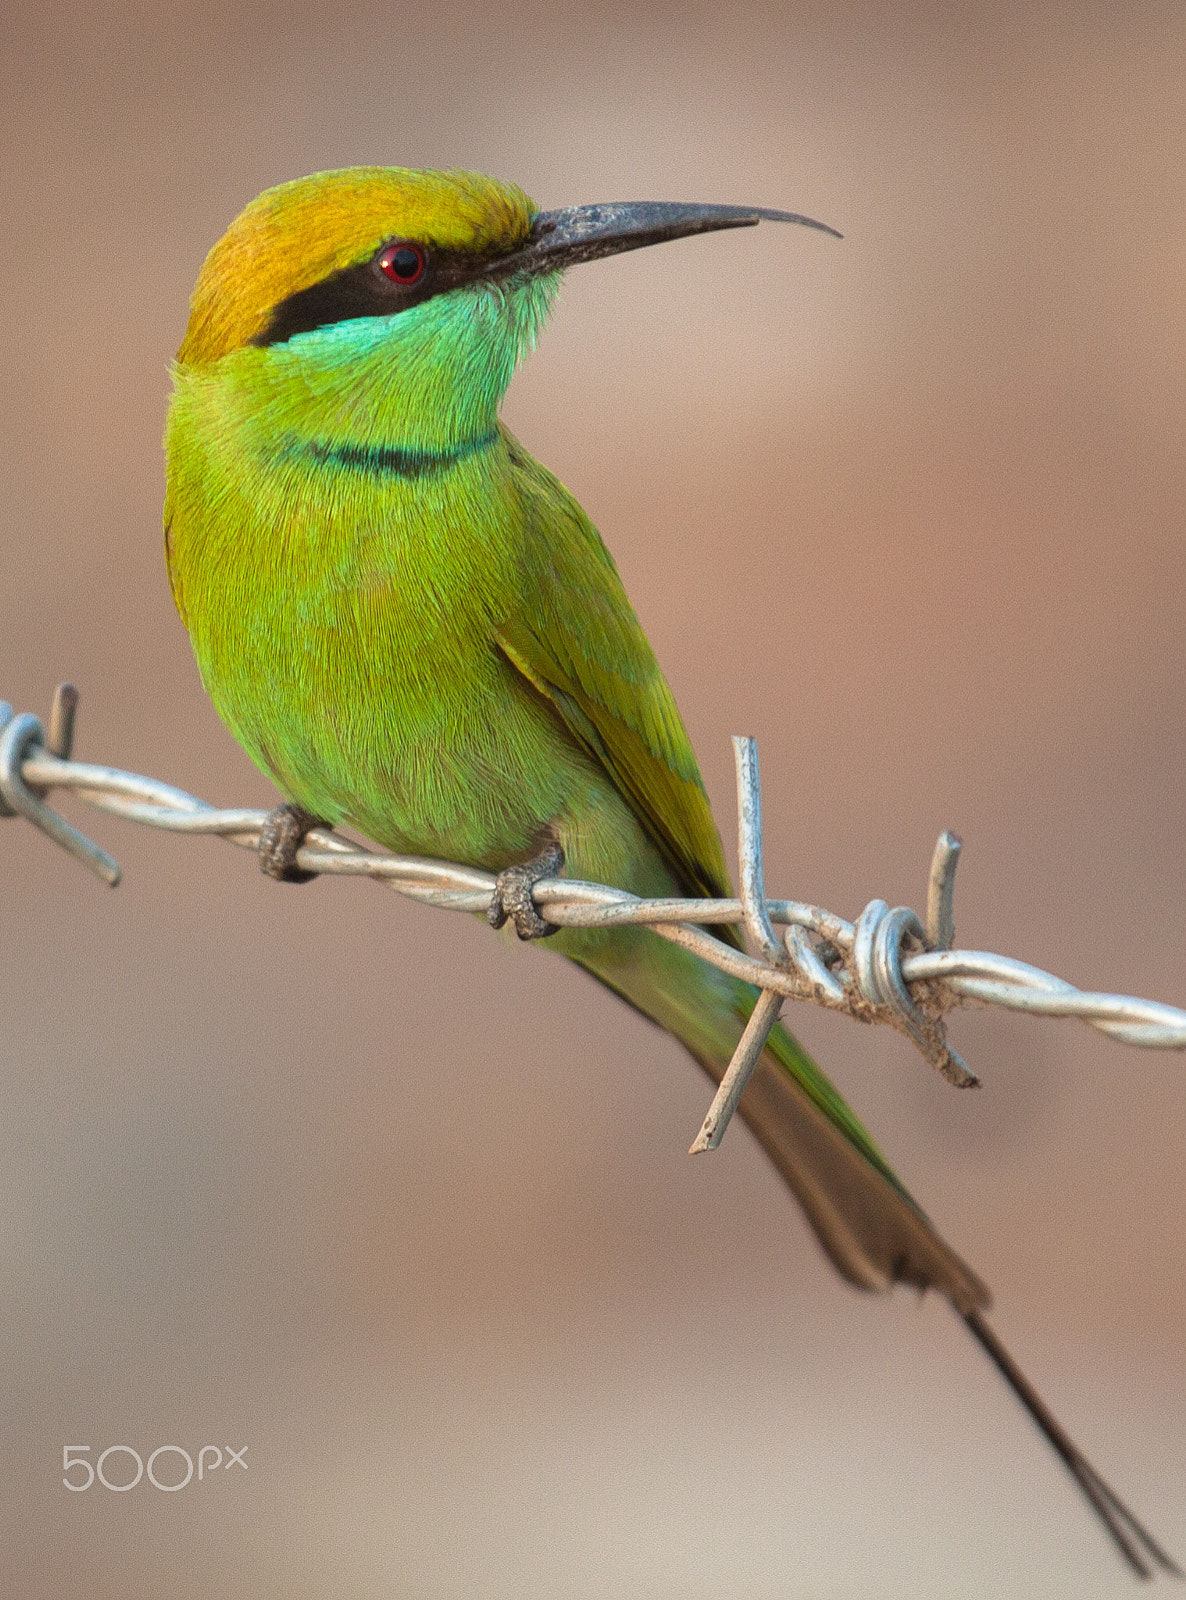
<point>413,628</point>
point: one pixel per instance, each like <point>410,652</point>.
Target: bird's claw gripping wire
<point>815,960</point>
<point>512,894</point>
<point>282,835</point>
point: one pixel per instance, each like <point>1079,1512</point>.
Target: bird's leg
<point>512,894</point>
<point>280,838</point>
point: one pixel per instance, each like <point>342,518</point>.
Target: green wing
<point>583,648</point>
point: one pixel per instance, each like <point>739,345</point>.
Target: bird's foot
<point>512,894</point>
<point>280,838</point>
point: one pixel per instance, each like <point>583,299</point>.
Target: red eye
<point>403,263</point>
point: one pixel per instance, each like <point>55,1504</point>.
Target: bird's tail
<point>872,1231</point>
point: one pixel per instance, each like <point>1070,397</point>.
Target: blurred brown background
<point>278,1168</point>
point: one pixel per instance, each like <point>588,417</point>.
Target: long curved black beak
<point>561,239</point>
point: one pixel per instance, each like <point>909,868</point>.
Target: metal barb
<point>740,1070</point>
<point>6,716</point>
<point>756,916</point>
<point>749,851</point>
<point>59,739</point>
<point>866,973</point>
<point>941,891</point>
<point>877,965</point>
<point>826,989</point>
<point>22,734</point>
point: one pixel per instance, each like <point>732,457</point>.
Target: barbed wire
<point>889,966</point>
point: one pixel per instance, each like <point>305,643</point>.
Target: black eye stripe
<point>364,291</point>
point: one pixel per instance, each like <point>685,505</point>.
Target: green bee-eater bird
<point>414,629</point>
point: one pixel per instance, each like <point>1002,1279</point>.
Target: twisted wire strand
<point>889,966</point>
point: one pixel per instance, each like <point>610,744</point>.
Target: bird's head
<point>395,304</point>
<point>373,242</point>
<point>337,246</point>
